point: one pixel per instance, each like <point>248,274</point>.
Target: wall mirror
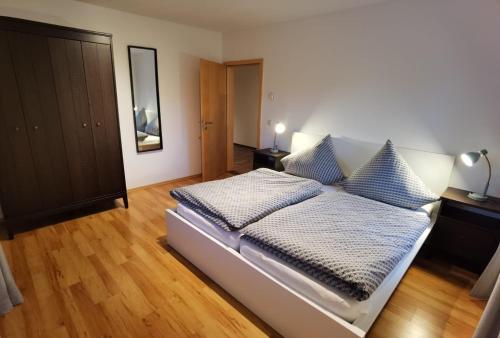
<point>145,98</point>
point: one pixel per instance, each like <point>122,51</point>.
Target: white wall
<point>179,48</point>
<point>425,73</point>
<point>246,104</point>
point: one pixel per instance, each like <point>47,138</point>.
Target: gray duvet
<point>235,202</point>
<point>349,242</point>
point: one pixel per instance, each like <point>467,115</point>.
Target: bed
<point>299,307</point>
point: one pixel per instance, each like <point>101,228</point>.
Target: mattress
<point>229,238</point>
<point>326,297</point>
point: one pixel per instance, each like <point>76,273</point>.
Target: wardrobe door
<point>35,81</point>
<point>71,87</point>
<point>101,90</point>
<point>19,188</point>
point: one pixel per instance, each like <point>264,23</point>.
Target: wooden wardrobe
<point>60,145</point>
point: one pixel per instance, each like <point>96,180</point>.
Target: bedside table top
<point>460,196</point>
<point>267,151</point>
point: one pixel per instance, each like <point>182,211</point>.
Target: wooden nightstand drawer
<point>472,245</point>
<point>466,232</point>
<point>264,159</point>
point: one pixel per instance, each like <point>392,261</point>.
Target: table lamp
<point>279,128</point>
<point>470,159</point>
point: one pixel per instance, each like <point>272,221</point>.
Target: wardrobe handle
<point>35,128</point>
<point>84,124</point>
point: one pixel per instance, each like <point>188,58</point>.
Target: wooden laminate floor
<point>242,158</point>
<point>110,274</point>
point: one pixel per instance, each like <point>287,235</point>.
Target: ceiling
<point>230,15</point>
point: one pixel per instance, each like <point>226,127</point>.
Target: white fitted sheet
<point>331,300</point>
<point>229,238</point>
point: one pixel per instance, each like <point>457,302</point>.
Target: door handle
<point>205,124</point>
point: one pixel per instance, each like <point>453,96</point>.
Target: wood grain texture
<point>460,196</point>
<point>71,87</point>
<point>213,119</point>
<point>15,150</point>
<point>243,159</point>
<point>100,87</point>
<point>45,79</point>
<point>110,274</point>
<point>35,82</point>
<point>230,106</point>
<point>45,29</point>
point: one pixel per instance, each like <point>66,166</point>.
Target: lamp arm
<point>275,145</point>
<point>489,176</point>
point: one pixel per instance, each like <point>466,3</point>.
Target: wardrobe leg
<point>125,201</point>
<point>10,233</point>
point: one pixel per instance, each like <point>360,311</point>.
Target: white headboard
<point>434,169</point>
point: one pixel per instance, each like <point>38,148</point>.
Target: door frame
<point>230,104</point>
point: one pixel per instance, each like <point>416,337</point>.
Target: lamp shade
<point>279,128</point>
<point>470,158</point>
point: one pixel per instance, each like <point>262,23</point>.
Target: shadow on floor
<point>28,225</point>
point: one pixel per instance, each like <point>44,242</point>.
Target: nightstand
<point>264,158</point>
<point>466,232</point>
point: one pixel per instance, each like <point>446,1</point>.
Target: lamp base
<point>477,197</point>
<point>275,150</point>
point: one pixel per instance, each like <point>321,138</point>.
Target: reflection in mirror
<point>145,100</point>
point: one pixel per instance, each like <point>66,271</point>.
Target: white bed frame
<point>288,312</point>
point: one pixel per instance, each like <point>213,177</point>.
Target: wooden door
<point>31,59</point>
<point>213,119</point>
<point>69,79</point>
<point>101,90</point>
<point>19,187</point>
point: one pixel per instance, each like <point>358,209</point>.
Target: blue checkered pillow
<point>388,178</point>
<point>317,163</point>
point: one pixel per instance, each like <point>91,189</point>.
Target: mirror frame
<point>129,47</point>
